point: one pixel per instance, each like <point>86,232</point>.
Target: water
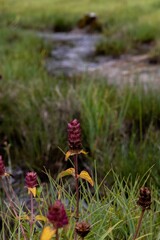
<point>73,53</point>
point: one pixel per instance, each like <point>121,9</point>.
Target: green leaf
<point>142,237</point>
<point>110,230</point>
<point>39,191</point>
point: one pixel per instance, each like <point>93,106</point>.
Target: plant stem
<point>139,224</point>
<point>13,208</point>
<point>12,192</point>
<point>32,214</point>
<point>7,148</point>
<point>77,191</point>
<point>57,235</point>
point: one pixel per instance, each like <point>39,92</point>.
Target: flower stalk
<point>139,224</point>
<point>32,213</point>
<point>57,216</point>
<point>31,183</point>
<point>57,234</point>
<point>144,202</point>
<point>77,187</point>
<point>75,146</point>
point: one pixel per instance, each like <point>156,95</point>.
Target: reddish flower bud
<point>82,228</point>
<point>2,167</point>
<point>74,135</point>
<point>57,215</point>
<point>144,198</point>
<point>31,179</point>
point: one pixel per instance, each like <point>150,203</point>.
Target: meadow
<point>120,126</point>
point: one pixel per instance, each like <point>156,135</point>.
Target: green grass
<point>112,213</point>
<point>138,20</point>
<point>120,127</point>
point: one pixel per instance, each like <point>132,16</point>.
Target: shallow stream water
<point>72,53</point>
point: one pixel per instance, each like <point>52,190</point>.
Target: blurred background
<point>94,60</point>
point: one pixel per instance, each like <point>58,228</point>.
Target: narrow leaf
<point>67,155</point>
<point>47,233</point>
<point>85,175</point>
<point>39,191</point>
<point>40,218</point>
<point>24,217</point>
<point>69,171</point>
<point>110,230</point>
<point>83,152</point>
<point>142,237</point>
<point>74,152</point>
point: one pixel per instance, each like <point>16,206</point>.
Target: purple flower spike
<point>31,179</point>
<point>74,135</point>
<point>57,215</point>
<point>144,198</point>
<point>2,167</point>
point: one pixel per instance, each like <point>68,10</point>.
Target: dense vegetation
<point>120,126</point>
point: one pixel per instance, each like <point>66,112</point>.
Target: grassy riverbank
<point>120,127</point>
<point>127,25</point>
<point>109,212</point>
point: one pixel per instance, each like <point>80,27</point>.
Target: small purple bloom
<point>57,215</point>
<point>144,198</point>
<point>2,167</point>
<point>74,135</point>
<point>31,179</point>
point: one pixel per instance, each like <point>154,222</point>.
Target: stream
<point>73,53</point>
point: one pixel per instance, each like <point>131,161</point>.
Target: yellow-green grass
<point>120,130</point>
<point>128,22</point>
<point>43,13</point>
<point>112,212</point>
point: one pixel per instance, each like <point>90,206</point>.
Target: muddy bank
<point>130,70</point>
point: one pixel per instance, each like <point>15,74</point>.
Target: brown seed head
<point>82,228</point>
<point>31,179</point>
<point>57,215</point>
<point>2,167</point>
<point>74,135</point>
<point>144,198</point>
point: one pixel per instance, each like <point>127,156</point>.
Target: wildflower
<point>74,139</point>
<point>74,135</point>
<point>144,201</point>
<point>31,179</point>
<point>82,228</point>
<point>2,167</point>
<point>145,198</point>
<point>57,215</point>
